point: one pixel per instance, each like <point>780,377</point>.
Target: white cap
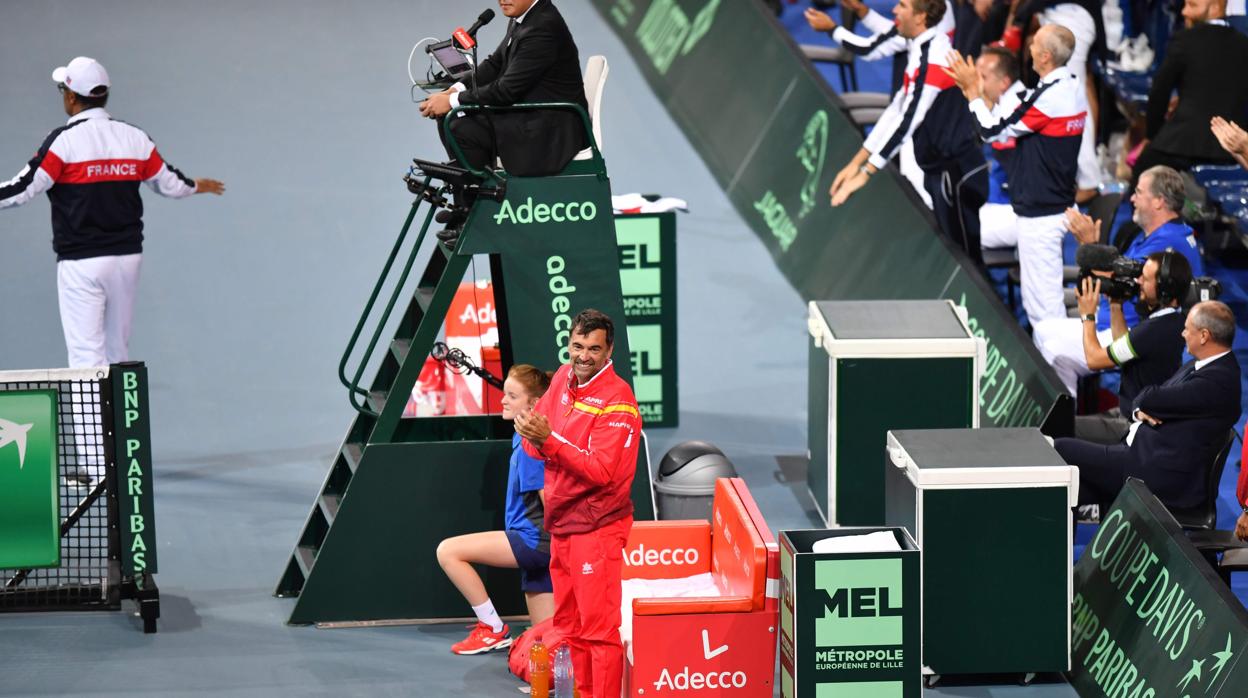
<point>82,75</point>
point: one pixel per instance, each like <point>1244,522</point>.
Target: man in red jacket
<point>1241,497</point>
<point>587,429</point>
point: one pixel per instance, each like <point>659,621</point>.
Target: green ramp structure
<point>398,486</point>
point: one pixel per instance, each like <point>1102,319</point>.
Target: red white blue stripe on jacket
<point>1047,126</point>
<point>91,169</point>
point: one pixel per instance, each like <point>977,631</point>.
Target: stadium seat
<point>1233,560</point>
<point>1205,516</point>
<point>837,55</point>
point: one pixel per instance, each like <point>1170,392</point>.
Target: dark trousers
<point>475,137</point>
<point>956,199</point>
<point>474,134</point>
<point>1102,468</point>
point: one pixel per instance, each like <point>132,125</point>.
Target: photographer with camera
<point>1157,203</point>
<point>1148,353</point>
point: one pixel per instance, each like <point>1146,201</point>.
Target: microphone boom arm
<point>459,362</point>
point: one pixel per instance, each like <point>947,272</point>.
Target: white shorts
<point>97,307</point>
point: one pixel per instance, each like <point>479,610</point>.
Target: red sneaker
<point>483,639</point>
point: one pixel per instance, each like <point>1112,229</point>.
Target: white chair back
<point>596,70</point>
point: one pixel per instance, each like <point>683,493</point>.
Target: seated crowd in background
<point>1017,82</point>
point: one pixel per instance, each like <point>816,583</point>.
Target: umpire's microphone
<point>468,39</point>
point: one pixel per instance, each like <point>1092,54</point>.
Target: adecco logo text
<point>562,212</point>
<point>641,556</point>
<point>687,680</point>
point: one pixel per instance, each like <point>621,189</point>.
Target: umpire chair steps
<point>397,486</point>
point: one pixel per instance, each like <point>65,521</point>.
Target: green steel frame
<point>397,486</point>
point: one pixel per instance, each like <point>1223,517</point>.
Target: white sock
<point>486,614</point>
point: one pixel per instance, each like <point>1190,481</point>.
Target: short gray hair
<point>1216,317</point>
<point>1167,185</point>
<point>1060,42</point>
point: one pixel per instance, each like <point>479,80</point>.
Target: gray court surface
<point>247,300</point>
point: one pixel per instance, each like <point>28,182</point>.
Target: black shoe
<point>448,234</point>
<point>452,217</point>
<point>451,241</point>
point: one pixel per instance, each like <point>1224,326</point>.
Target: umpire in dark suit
<point>1204,63</point>
<point>1178,426</point>
<point>537,61</point>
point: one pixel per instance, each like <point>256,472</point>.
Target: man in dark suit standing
<point>537,61</point>
<point>1177,427</point>
<point>1199,64</point>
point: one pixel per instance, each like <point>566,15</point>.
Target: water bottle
<point>539,669</point>
<point>563,672</point>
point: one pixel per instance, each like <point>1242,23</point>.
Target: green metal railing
<point>356,394</point>
<point>353,384</point>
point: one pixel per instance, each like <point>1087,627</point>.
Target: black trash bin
<point>685,486</point>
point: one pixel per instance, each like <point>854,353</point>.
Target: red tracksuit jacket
<point>1241,490</point>
<point>591,455</point>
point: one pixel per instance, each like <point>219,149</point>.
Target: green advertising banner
<point>549,232</point>
<point>647,244</point>
<point>30,521</point>
<point>1150,617</point>
<point>132,441</point>
<point>776,158</point>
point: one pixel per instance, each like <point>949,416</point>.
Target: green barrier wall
<point>774,136</point>
<point>1150,618</point>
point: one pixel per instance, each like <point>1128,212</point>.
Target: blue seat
<point>1212,175</point>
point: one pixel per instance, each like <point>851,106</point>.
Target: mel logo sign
<point>29,513</point>
<point>862,603</point>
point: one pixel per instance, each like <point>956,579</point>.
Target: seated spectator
<point>1157,202</point>
<point>1232,138</point>
<point>1148,353</point>
<point>1177,427</point>
<point>1203,63</point>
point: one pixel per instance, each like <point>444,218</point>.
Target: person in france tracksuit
<point>587,429</point>
<point>930,113</point>
<point>91,169</point>
<point>1047,128</point>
